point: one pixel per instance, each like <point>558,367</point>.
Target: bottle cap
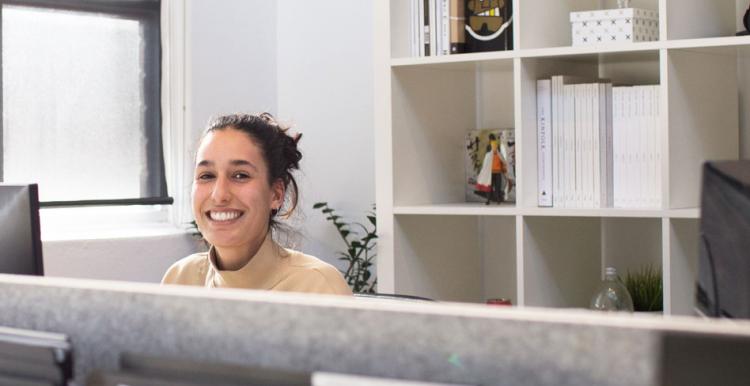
<point>610,271</point>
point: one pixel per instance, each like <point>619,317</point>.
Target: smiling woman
<point>243,175</point>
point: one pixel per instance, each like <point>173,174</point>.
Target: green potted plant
<point>645,287</point>
<point>360,246</point>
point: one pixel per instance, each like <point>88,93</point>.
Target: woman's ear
<point>277,190</point>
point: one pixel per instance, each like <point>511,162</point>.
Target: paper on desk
<point>334,379</point>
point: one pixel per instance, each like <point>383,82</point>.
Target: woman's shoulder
<point>189,270</point>
<point>313,272</point>
<point>303,261</point>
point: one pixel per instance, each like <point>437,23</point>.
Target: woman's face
<point>232,198</point>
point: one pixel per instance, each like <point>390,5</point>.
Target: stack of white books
<point>597,145</point>
<point>637,147</point>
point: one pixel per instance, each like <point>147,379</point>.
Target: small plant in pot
<point>645,287</point>
<point>360,249</point>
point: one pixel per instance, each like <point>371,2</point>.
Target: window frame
<point>154,189</point>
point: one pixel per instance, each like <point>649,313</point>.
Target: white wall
<point>288,57</point>
<point>325,76</point>
<point>231,58</point>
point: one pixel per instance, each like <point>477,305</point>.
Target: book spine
<point>569,128</point>
<point>627,148</point>
<point>423,30</point>
<point>425,23</point>
<point>596,145</point>
<point>648,144</point>
<point>557,135</point>
<point>578,99</point>
<point>588,146</point>
<point>657,144</point>
<point>445,27</point>
<point>641,178</point>
<point>544,152</point>
<point>607,163</point>
<point>556,125</point>
<point>457,30</point>
<point>432,26</point>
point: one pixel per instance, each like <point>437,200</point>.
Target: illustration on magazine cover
<point>490,166</point>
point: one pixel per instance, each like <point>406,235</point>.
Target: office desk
<point>452,343</point>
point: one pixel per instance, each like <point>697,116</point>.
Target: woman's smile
<point>224,216</point>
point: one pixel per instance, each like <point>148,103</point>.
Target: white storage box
<point>614,26</point>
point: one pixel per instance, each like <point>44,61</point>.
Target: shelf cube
<point>614,26</point>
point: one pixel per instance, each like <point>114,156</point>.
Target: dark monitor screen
<point>34,358</point>
<point>20,241</point>
<point>723,283</point>
<point>138,369</point>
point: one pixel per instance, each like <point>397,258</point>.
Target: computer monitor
<point>723,283</point>
<point>20,241</point>
<point>30,357</point>
<point>150,370</point>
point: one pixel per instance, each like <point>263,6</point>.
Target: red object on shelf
<point>499,302</point>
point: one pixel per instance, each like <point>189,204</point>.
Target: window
<point>81,100</point>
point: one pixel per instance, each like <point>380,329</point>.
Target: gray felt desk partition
<point>470,344</point>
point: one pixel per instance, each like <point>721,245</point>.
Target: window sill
<point>97,223</point>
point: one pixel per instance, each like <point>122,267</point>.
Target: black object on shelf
<point>32,357</point>
<point>489,25</point>
<point>746,20</point>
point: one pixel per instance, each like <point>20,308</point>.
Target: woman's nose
<point>221,192</point>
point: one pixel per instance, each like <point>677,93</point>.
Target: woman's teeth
<point>223,216</point>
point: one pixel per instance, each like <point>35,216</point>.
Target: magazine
<point>490,165</point>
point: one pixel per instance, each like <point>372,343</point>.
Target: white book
<point>641,178</point>
<point>432,17</point>
<point>559,154</point>
<point>445,27</point>
<point>630,135</point>
<point>574,160</point>
<point>544,150</point>
<point>437,27</point>
<point>424,30</point>
<point>587,166</point>
<point>578,145</point>
<point>616,151</point>
<point>591,138</point>
<point>648,143</point>
<point>558,151</point>
<point>657,145</point>
<point>596,146</point>
<point>608,162</point>
<point>568,172</point>
<point>412,28</point>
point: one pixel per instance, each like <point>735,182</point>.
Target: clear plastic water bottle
<point>612,294</point>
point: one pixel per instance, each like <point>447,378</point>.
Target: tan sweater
<point>272,268</point>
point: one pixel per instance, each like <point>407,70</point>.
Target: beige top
<point>272,268</point>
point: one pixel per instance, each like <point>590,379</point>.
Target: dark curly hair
<point>279,150</point>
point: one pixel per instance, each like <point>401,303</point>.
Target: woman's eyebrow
<point>242,162</point>
<point>236,162</point>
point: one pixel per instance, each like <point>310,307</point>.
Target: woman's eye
<point>240,176</point>
<point>205,176</point>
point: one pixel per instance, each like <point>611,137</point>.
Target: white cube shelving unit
<point>433,244</point>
